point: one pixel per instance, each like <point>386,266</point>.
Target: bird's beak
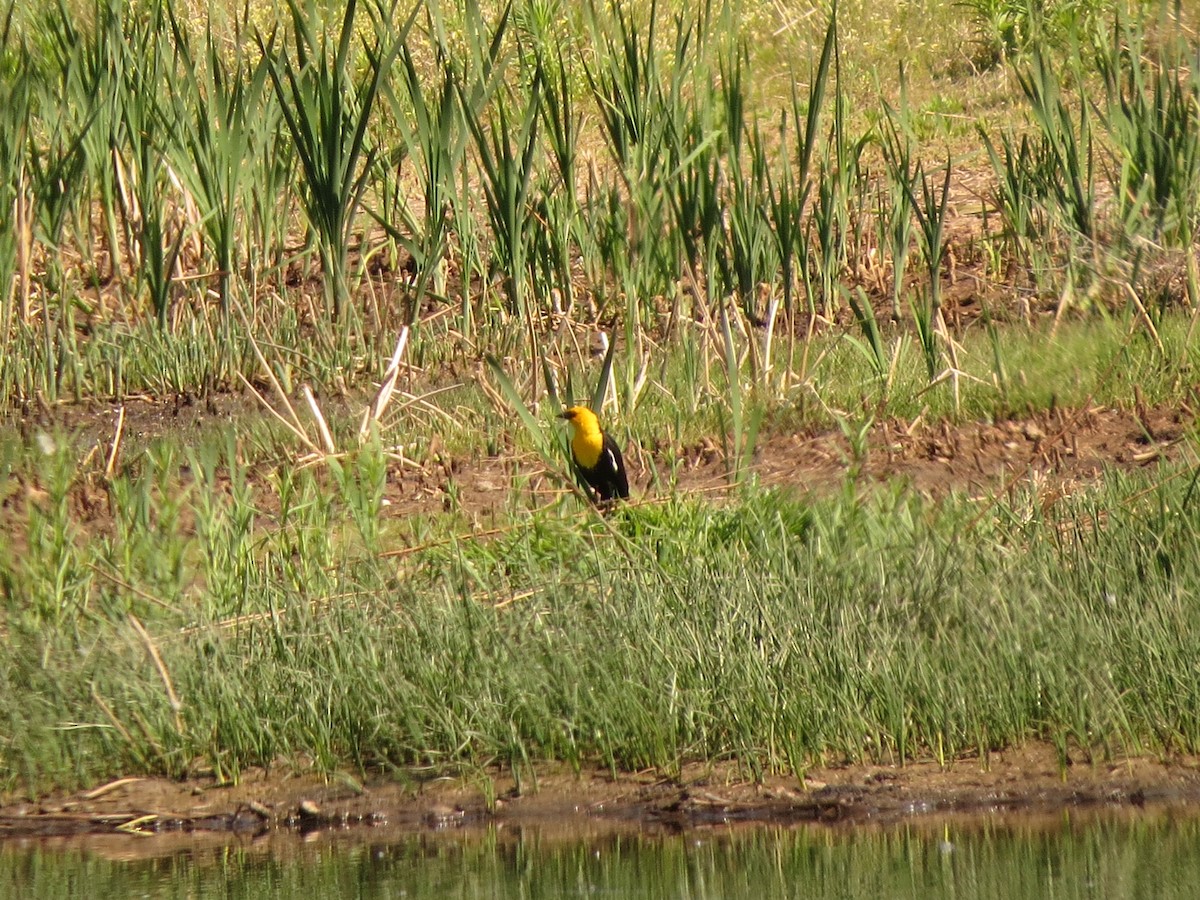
<point>564,415</point>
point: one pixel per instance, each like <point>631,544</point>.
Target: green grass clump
<point>226,622</point>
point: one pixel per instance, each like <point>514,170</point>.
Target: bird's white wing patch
<point>612,459</point>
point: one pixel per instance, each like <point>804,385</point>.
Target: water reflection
<point>1147,854</point>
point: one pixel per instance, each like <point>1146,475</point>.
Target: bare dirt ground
<point>1056,451</point>
<point>1024,782</point>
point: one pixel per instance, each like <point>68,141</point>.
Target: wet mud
<point>1028,781</point>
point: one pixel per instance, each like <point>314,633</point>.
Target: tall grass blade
<point>327,109</point>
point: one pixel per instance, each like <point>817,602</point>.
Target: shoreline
<point>1023,781</point>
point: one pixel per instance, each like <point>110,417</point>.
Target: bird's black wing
<point>610,459</point>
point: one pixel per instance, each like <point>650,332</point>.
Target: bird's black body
<point>607,478</point>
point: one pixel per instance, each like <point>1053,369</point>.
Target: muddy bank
<point>1028,780</point>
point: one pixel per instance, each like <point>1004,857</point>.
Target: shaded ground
<point>1025,781</point>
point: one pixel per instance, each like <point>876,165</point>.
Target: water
<point>1147,854</point>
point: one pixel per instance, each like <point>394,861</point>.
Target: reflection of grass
<point>1099,847</point>
<point>777,631</point>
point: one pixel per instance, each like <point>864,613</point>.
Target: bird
<point>596,456</point>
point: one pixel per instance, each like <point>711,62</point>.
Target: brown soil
<point>1024,781</point>
<point>1062,448</point>
<point>1055,451</point>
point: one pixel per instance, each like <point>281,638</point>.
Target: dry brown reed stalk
<point>1146,318</point>
<point>131,213</point>
<point>319,417</point>
<point>134,825</point>
<point>106,789</point>
<point>156,657</point>
<point>508,601</point>
<point>111,462</point>
<point>184,214</point>
<point>133,589</point>
<point>112,717</point>
<point>292,422</point>
<point>773,299</point>
<point>277,612</point>
<point>322,446</point>
<point>295,428</point>
<point>952,373</point>
<point>493,395</point>
<point>374,411</point>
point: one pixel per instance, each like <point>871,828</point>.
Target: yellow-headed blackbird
<point>596,456</point>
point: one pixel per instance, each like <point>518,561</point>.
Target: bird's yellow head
<point>581,419</point>
<point>587,439</point>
